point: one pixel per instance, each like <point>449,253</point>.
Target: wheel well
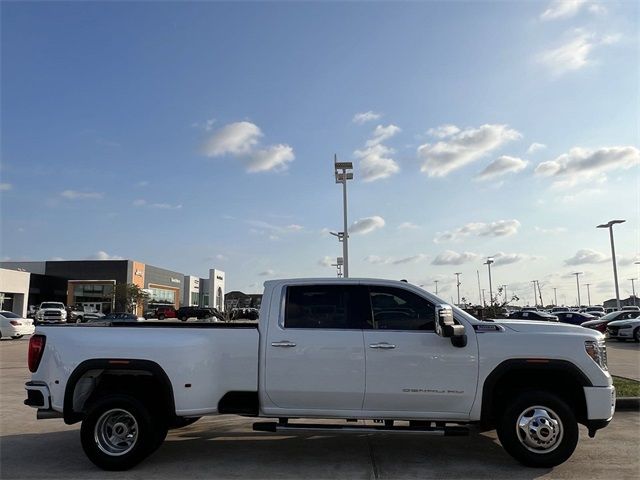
<point>501,387</point>
<point>142,379</point>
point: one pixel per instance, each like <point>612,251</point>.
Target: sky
<point>201,135</point>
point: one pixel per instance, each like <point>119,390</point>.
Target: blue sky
<point>200,135</point>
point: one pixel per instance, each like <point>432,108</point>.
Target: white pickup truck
<point>340,349</point>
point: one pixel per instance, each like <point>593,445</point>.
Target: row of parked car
<point>622,324</point>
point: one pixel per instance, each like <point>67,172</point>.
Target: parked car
<point>533,315</point>
<point>555,310</point>
<point>81,314</point>
<point>574,318</point>
<point>14,326</point>
<point>165,311</point>
<point>596,310</point>
<point>623,330</point>
<point>600,324</point>
<point>117,317</point>
<point>183,313</point>
<point>632,308</point>
<point>51,312</point>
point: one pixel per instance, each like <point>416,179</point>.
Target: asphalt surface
<point>226,446</point>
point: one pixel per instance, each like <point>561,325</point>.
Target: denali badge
<point>429,390</point>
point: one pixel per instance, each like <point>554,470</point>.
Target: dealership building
<point>92,284</point>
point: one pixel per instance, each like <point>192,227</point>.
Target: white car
<point>624,329</point>
<point>14,326</point>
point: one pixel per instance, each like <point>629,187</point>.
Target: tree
<point>129,297</point>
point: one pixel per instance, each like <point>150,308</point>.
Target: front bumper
<point>601,402</point>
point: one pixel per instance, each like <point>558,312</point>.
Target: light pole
<point>339,263</point>
<point>588,294</point>
<point>505,293</point>
<point>436,282</point>
<point>577,274</point>
<point>633,289</point>
<point>488,264</point>
<point>458,285</point>
<point>555,296</point>
<point>342,175</point>
<point>484,302</point>
<point>610,225</point>
<point>535,294</point>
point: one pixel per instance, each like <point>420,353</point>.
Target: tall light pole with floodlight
<point>535,293</point>
<point>436,282</point>
<point>588,294</point>
<point>488,264</point>
<point>555,296</point>
<point>577,274</point>
<point>633,289</point>
<point>342,174</point>
<point>458,285</point>
<point>610,225</point>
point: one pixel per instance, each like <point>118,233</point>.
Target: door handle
<point>283,344</point>
<point>383,345</point>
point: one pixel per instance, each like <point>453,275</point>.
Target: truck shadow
<point>207,450</point>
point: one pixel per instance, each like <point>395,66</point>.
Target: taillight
<point>36,349</point>
<point>15,323</point>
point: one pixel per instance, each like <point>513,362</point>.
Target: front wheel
<point>538,429</point>
<point>160,317</point>
<point>118,432</point>
<point>16,337</point>
<point>636,335</point>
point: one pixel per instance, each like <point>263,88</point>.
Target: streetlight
<point>436,282</point>
<point>339,263</point>
<point>610,225</point>
<point>341,174</point>
<point>577,274</point>
<point>555,296</point>
<point>588,294</point>
<point>535,294</point>
<point>488,264</point>
<point>633,289</point>
<point>458,285</point>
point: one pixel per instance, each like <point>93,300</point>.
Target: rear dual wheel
<point>119,431</point>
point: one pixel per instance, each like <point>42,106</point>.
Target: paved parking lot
<point>226,447</point>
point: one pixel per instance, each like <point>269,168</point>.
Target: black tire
<point>513,437</point>
<point>16,337</point>
<point>139,421</point>
<point>79,319</point>
<point>183,318</point>
<point>181,422</point>
<point>160,317</point>
<point>636,335</point>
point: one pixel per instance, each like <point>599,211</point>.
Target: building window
<point>194,298</point>
<point>205,300</point>
<point>219,299</point>
<point>162,296</point>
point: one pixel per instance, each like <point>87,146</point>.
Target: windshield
<point>9,315</point>
<point>52,305</point>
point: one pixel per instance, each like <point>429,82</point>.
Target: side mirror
<point>447,328</point>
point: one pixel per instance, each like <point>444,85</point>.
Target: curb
<point>628,404</point>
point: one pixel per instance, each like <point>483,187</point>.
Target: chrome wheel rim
<point>116,432</point>
<point>539,429</point>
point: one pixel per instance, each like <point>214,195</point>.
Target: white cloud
<point>502,258</point>
<point>326,261</point>
<point>261,227</point>
<point>499,228</point>
<point>535,146</point>
<point>102,255</point>
<point>221,257</point>
<point>142,183</point>
<point>462,148</point>
<point>207,125</point>
<point>235,138</point>
<point>627,260</point>
<point>502,166</point>
<point>449,257</point>
<point>408,226</point>
<point>376,160</point>
<point>551,231</point>
<point>165,206</point>
<point>367,225</point>
<point>586,256</point>
<point>274,157</point>
<point>443,131</point>
<point>365,117</point>
<point>581,164</point>
<point>241,140</point>
<point>574,54</point>
<point>267,273</point>
<point>563,9</point>
<point>75,195</point>
<point>5,186</point>
<point>139,202</point>
<point>377,260</point>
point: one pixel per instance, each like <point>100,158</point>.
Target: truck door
<point>315,357</point>
<point>409,367</point>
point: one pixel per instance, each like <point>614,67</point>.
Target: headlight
<point>64,314</point>
<point>597,350</point>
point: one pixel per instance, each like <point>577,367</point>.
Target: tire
<point>127,414</point>
<point>181,422</point>
<point>556,430</point>
<point>79,320</point>
<point>183,318</point>
<point>16,337</point>
<point>160,317</point>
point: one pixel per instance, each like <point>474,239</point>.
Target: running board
<point>273,427</point>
